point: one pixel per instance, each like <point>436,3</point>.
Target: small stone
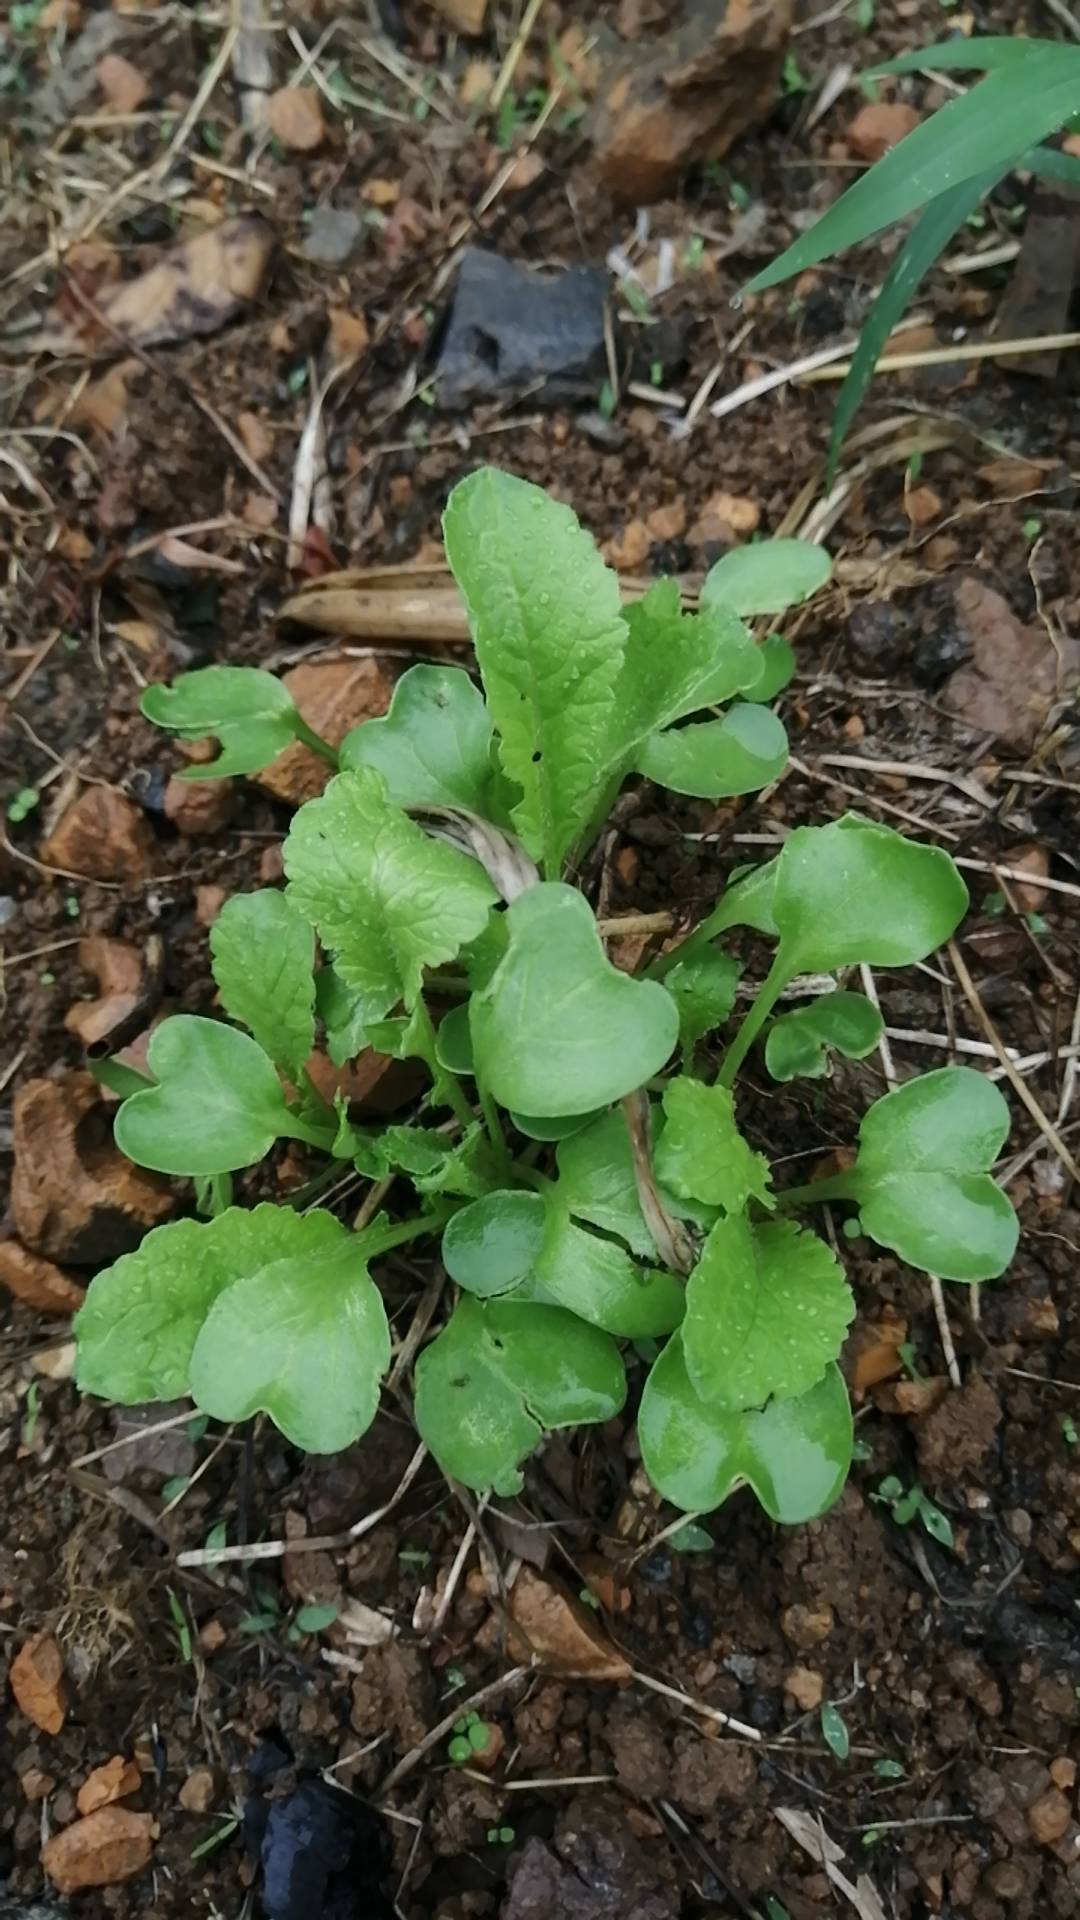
<point>74,1196</point>
<point>1049,1817</point>
<point>208,904</point>
<point>294,117</point>
<point>271,865</point>
<point>807,1626</point>
<point>1020,1526</point>
<point>1063,1772</point>
<point>349,334</point>
<point>212,1636</point>
<point>101,836</point>
<point>1029,894</point>
<point>1005,1880</point>
<point>1039,1321</point>
<point>118,969</point>
<point>39,1684</point>
<point>736,510</point>
<point>629,550</point>
<point>199,1791</point>
<point>118,1778</point>
<point>922,504</point>
<point>806,1688</point>
<point>256,436</point>
<point>198,806</point>
<point>37,1283</point>
<point>878,126</point>
<point>333,696</point>
<point>333,236</point>
<point>36,1785</point>
<point>668,523</point>
<point>123,86</point>
<point>111,1845</point>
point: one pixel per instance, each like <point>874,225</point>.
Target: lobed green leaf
<point>248,712</point>
<point>262,955</point>
<point>767,1308</point>
<point>798,1042</point>
<point>218,1104</point>
<point>434,745</point>
<point>701,1155</point>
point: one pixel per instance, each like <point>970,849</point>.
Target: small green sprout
<point>500,1836</point>
<point>606,401</point>
<point>888,1769</point>
<point>695,252</point>
<point>1069,1430</point>
<point>471,1736</point>
<point>1032,528</point>
<point>22,804</point>
<point>834,1730</point>
<point>32,1413</point>
<point>911,1503</point>
<point>183,1628</point>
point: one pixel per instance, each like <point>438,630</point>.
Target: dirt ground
<point>146,519</point>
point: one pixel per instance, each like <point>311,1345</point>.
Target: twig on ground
<point>315,1543</point>
<point>696,1706</point>
<point>1045,1125</point>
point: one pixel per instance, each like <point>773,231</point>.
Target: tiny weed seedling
<point>911,1503</point>
<point>578,1158</point>
<point>471,1736</point>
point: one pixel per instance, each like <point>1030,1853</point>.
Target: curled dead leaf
<point>37,1283</point>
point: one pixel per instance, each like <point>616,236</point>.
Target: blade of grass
<point>984,129</point>
<point>985,51</point>
<point>1050,164</point>
<point>927,239</point>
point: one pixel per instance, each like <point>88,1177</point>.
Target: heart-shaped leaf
<point>492,1246</point>
<point>921,1179</point>
<point>703,989</point>
<point>778,665</point>
<point>262,953</point>
<point>854,892</point>
<point>387,899</point>
<point>558,1029</point>
<point>453,1042</point>
<point>597,1280</point>
<point>499,1375</point>
<point>547,626</point>
<point>739,754</point>
<point>767,1308</point>
<point>798,1042</point>
<point>701,1155</point>
<point>767,577</point>
<point>138,1325</point>
<point>304,1339</point>
<point>218,1104</point>
<point>249,713</point>
<point>795,1454</point>
<point>433,747</point>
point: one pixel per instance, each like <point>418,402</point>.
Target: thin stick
<point>696,1706</point>
<point>510,64</point>
<point>275,1549</point>
<point>942,356</point>
<point>431,1739</point>
<point>453,1577</point>
<point>1045,1125</point>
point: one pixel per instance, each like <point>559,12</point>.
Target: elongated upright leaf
<point>218,1104</point>
<point>549,636</point>
<point>983,52</point>
<point>930,235</point>
<point>247,711</point>
<point>559,1030</point>
<point>1009,111</point>
<point>433,747</point>
<point>304,1339</point>
<point>137,1328</point>
<point>387,899</point>
<point>262,954</point>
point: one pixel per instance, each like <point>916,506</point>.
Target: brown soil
<point>960,1664</point>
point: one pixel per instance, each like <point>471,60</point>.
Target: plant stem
<point>495,1132</point>
<point>378,1240</point>
<point>311,1134</point>
<point>446,1086</point>
<point>767,995</point>
<point>836,1187</point>
<point>316,742</point>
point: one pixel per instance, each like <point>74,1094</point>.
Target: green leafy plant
<point>910,1503</point>
<point>471,1736</point>
<point>941,171</point>
<point>579,1157</point>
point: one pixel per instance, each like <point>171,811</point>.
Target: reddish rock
<point>199,1791</point>
<point>198,807</point>
<point>208,904</point>
<point>688,95</point>
<point>36,1785</point>
<point>333,696</point>
<point>551,1626</point>
<point>294,116</point>
<point>37,1283</point>
<point>807,1626</point>
<point>118,970</point>
<point>111,1845</point>
<point>114,1781</point>
<point>880,125</point>
<point>1049,1817</point>
<point>806,1688</point>
<point>123,86</point>
<point>101,836</point>
<point>74,1197</point>
<point>38,1683</point>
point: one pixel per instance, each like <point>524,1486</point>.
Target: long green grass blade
<point>1050,164</point>
<point>1009,111</point>
<point>985,51</point>
<point>925,242</point>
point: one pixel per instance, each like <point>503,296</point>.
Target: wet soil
<point>955,1668</point>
